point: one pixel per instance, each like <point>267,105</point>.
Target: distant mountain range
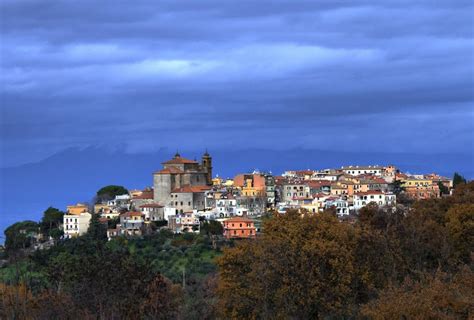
<point>74,175</point>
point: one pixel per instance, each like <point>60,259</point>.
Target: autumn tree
<point>302,267</point>
<point>433,297</point>
<point>460,226</point>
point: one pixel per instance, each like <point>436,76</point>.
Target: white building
<point>226,207</point>
<point>169,211</point>
<point>341,205</point>
<point>358,170</point>
<point>152,211</point>
<point>120,201</point>
<point>380,198</point>
<point>76,224</point>
<point>186,222</point>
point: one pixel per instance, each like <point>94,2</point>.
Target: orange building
<point>77,209</point>
<point>251,185</point>
<point>239,227</point>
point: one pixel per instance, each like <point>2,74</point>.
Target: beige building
<point>76,224</point>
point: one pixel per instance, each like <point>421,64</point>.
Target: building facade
<point>179,173</point>
<point>76,224</point>
<point>239,227</point>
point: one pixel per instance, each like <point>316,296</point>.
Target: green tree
<point>109,192</point>
<point>442,188</point>
<point>20,235</point>
<point>212,228</point>
<point>458,179</point>
<point>51,220</point>
<point>97,230</point>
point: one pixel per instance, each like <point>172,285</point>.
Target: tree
<point>460,226</point>
<point>109,192</point>
<point>212,228</point>
<point>20,235</point>
<point>433,297</point>
<point>52,220</point>
<point>97,230</point>
<point>458,179</point>
<point>442,188</point>
<point>301,267</point>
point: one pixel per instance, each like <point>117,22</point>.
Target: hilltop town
<point>197,246</point>
<point>185,193</point>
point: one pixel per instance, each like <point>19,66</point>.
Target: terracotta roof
<point>180,160</point>
<point>191,189</point>
<point>239,219</point>
<point>320,195</point>
<point>151,205</point>
<point>145,195</point>
<point>131,214</point>
<point>304,172</point>
<point>170,170</point>
<point>318,183</point>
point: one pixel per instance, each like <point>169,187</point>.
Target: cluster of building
<point>184,194</point>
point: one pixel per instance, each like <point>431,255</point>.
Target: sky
<point>94,93</point>
<point>363,76</point>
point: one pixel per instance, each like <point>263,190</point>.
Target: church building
<point>182,182</point>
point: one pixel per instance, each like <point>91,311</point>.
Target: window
<point>189,203</point>
<point>241,225</point>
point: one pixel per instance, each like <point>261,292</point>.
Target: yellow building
<point>229,183</point>
<point>249,190</point>
<point>420,188</point>
<point>217,181</point>
<point>77,209</point>
<point>413,182</point>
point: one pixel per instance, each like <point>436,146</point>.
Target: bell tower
<point>207,166</point>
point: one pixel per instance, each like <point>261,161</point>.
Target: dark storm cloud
<point>311,74</point>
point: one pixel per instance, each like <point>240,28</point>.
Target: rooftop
<point>180,160</point>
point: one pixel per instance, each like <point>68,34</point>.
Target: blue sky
<point>362,76</point>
